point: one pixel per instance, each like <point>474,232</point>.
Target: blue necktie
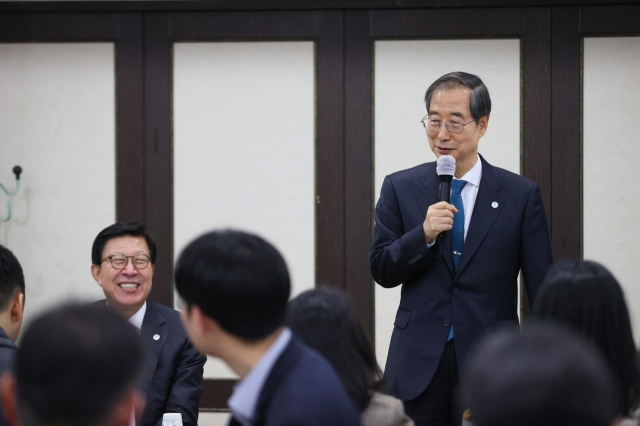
<point>457,232</point>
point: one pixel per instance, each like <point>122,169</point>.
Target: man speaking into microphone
<point>457,254</point>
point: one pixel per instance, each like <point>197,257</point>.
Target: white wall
<point>404,69</point>
<point>244,148</point>
<point>611,197</point>
<point>57,121</point>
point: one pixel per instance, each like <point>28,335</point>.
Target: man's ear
<point>203,322</point>
<point>8,398</point>
<point>483,124</point>
<point>17,308</point>
<point>95,273</point>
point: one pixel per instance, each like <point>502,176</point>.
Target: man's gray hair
<point>479,102</point>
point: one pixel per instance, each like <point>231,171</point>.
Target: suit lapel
<point>154,335</point>
<point>484,213</point>
<point>428,196</point>
<point>289,356</point>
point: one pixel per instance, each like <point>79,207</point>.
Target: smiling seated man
<point>123,257</point>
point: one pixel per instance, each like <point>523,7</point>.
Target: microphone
<point>445,167</point>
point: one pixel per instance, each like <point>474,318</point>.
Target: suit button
<point>446,323</point>
<point>455,290</point>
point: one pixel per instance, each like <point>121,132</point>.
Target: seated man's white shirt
<point>136,321</point>
<point>137,318</point>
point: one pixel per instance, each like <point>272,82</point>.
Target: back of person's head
<point>117,230</point>
<point>323,319</point>
<point>237,279</point>
<point>586,297</point>
<point>544,375</point>
<point>11,278</point>
<point>12,293</point>
<point>76,366</point>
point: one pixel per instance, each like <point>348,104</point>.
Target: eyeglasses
<point>118,261</point>
<point>434,125</point>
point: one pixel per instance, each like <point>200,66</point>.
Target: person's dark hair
<point>587,298</point>
<point>323,319</point>
<point>479,101</point>
<point>11,278</point>
<point>74,365</point>
<point>121,229</point>
<point>544,375</point>
<point>238,279</point>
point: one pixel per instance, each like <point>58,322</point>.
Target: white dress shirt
<point>470,192</point>
<point>245,395</point>
<point>136,319</point>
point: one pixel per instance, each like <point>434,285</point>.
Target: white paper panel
<point>57,121</point>
<point>404,69</point>
<point>244,147</point>
<point>213,419</point>
<point>611,198</point>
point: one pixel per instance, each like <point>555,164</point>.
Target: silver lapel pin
<point>494,204</point>
<point>156,337</point>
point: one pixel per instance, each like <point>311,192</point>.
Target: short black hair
<point>238,279</point>
<point>479,101</point>
<point>586,297</point>
<point>544,375</point>
<point>11,278</point>
<point>75,364</point>
<point>324,320</point>
<point>121,229</point>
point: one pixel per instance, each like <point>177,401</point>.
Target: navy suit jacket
<point>507,234</point>
<point>8,352</point>
<point>303,389</point>
<point>172,375</point>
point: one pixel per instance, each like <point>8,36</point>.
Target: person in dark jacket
<point>234,288</point>
<point>11,308</point>
<point>123,260</point>
<point>77,366</point>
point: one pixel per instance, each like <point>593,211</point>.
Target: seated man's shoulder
<point>8,351</point>
<point>169,314</point>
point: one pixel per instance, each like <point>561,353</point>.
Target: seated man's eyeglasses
<point>434,125</point>
<point>118,261</point>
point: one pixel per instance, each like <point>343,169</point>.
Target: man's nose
<point>443,133</point>
<point>128,267</point>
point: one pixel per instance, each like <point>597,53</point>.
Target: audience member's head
<point>236,281</point>
<point>77,366</point>
<point>123,258</point>
<point>12,293</point>
<point>322,318</point>
<point>544,375</point>
<point>585,297</point>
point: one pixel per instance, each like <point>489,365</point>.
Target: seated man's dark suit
<point>303,389</point>
<point>507,233</point>
<point>172,379</point>
<point>8,351</point>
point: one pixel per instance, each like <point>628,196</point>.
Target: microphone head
<point>446,165</point>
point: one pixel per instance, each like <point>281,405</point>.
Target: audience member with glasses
<point>123,257</point>
<point>457,287</point>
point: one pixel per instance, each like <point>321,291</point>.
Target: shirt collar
<point>474,175</point>
<point>245,395</point>
<point>136,319</point>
